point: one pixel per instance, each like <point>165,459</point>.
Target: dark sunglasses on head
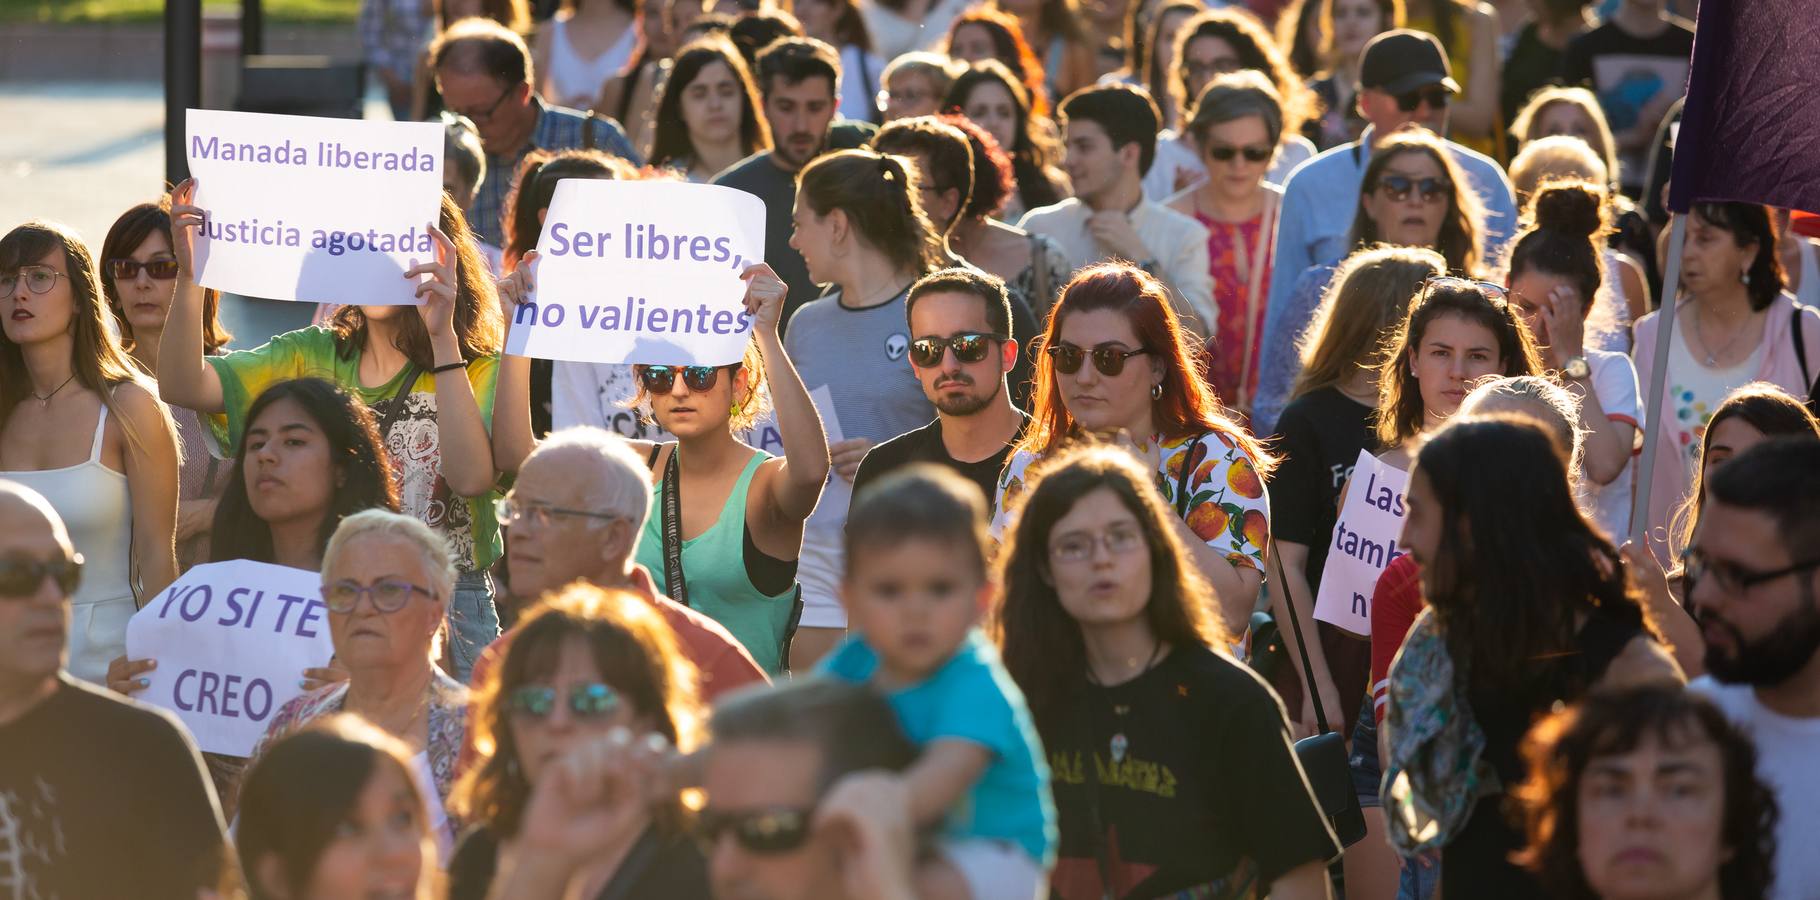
<point>1496,293</point>
<point>1434,95</point>
<point>586,701</point>
<point>1110,360</point>
<point>1225,153</point>
<point>660,379</point>
<point>161,269</point>
<point>969,347</point>
<point>764,831</point>
<point>20,578</point>
<point>1429,189</point>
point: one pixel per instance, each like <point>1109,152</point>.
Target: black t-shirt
<point>1531,66</point>
<point>1194,779</point>
<point>925,445</point>
<point>1320,436</point>
<point>1675,42</point>
<point>102,797</point>
<point>656,866</point>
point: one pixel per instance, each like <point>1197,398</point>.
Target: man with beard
<point>961,351</point>
<point>1753,581</point>
<point>800,81</point>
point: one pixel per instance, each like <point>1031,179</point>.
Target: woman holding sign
<point>429,374</point>
<point>81,425</point>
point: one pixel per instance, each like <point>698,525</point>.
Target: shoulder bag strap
<point>1181,478</point>
<point>1801,346</point>
<point>673,567</point>
<point>394,405</point>
<point>1295,622</point>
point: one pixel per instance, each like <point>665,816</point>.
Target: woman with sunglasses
<point>1107,627</point>
<point>1411,195</point>
<point>1116,365</point>
<point>83,426</point>
<point>139,277</point>
<point>582,664</point>
<point>386,580</point>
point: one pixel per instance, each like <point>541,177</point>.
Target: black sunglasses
<point>161,269</point>
<point>1400,186</point>
<point>969,347</point>
<point>764,831</point>
<point>586,701</point>
<point>1225,153</point>
<point>1110,360</point>
<point>19,578</point>
<point>1434,95</point>
<point>660,379</point>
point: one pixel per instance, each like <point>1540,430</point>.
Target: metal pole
<point>1658,376</point>
<point>182,80</point>
<point>252,28</point>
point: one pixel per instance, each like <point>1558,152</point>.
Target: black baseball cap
<point>1400,61</point>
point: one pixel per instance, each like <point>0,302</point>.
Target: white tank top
<point>96,508</point>
<point>575,80</point>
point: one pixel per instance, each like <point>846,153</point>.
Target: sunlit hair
<point>634,652</point>
<point>1008,47</point>
<point>921,501</point>
<point>670,142</point>
<point>947,158</point>
<point>300,792</point>
<point>97,361</point>
<point>1391,15</point>
<point>1761,405</point>
<point>1367,299</point>
<point>1751,223</point>
<point>1063,20</point>
<point>1141,44</point>
<point>1033,152</point>
<point>748,406</point>
<point>1526,125</point>
<point>878,194</point>
<point>1234,96</point>
<point>1401,412</point>
<point>619,482</point>
<point>1256,49</point>
<point>1042,644</point>
<point>1462,226</point>
<point>1535,396</point>
<point>354,530</point>
<point>1615,722</point>
<point>938,68</point>
<point>1296,32</point>
<point>479,328</point>
<point>1564,231</point>
<point>125,236</point>
<point>485,45</point>
<point>993,180</point>
<point>1560,156</point>
<point>1512,606</point>
<point>535,186</point>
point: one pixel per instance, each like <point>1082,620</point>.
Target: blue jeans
<point>1418,882</point>
<point>473,622</point>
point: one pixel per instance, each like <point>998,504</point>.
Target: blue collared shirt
<point>557,128</point>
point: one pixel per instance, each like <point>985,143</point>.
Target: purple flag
<point>1750,131</point>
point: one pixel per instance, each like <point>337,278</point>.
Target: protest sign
<point>321,210</point>
<point>231,640</point>
<point>1364,542</point>
<point>642,272</point>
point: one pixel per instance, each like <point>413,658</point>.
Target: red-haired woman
<point>1116,363</point>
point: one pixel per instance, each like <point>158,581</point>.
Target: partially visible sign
<point>1364,542</point>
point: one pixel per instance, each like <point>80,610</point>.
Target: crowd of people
<point>991,570</point>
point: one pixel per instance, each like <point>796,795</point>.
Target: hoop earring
<point>1156,391</point>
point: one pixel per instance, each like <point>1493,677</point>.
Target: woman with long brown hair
<point>1055,33</point>
<point>984,33</point>
<point>708,112</point>
<point>991,97</point>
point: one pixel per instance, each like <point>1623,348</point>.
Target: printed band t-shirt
<point>414,441</point>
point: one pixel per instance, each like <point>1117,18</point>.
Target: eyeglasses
<point>388,595</point>
<point>969,347</point>
<point>1399,187</point>
<point>1198,70</point>
<point>1225,153</point>
<point>20,578</point>
<point>38,280</point>
<point>161,269</point>
<point>1732,579</point>
<point>660,379</point>
<point>510,511</point>
<point>1109,359</point>
<point>908,98</point>
<point>765,831</point>
<point>1434,95</point>
<point>483,118</point>
<point>586,701</point>
<point>1499,294</point>
<point>1079,546</point>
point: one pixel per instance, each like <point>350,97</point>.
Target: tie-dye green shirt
<point>413,440</point>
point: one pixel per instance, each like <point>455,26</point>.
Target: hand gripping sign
<point>323,210</point>
<point>1364,542</point>
<point>642,272</point>
<point>232,640</point>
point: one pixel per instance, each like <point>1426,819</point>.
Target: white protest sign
<point>642,272</point>
<point>837,494</point>
<point>1364,542</point>
<point>231,640</point>
<point>320,210</point>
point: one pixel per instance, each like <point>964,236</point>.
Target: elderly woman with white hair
<point>387,579</point>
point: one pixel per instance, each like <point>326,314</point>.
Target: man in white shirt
<point>1753,582</point>
<point>1110,136</point>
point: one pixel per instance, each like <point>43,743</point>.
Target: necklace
<point>1119,743</point>
<point>1712,356</point>
<point>45,400</point>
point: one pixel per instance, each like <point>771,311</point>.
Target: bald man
<point>99,796</point>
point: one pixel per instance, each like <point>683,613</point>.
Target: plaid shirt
<point>558,128</point>
<point>394,32</point>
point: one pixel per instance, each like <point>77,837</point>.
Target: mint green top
<point>714,565</point>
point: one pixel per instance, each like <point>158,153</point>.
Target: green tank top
<point>714,565</point>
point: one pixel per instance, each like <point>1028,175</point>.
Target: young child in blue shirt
<point>915,587</point>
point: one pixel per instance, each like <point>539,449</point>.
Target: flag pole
<point>1658,376</point>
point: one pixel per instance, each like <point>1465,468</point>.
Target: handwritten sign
<point>232,640</point>
<point>320,210</point>
<point>1364,542</point>
<point>642,272</point>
